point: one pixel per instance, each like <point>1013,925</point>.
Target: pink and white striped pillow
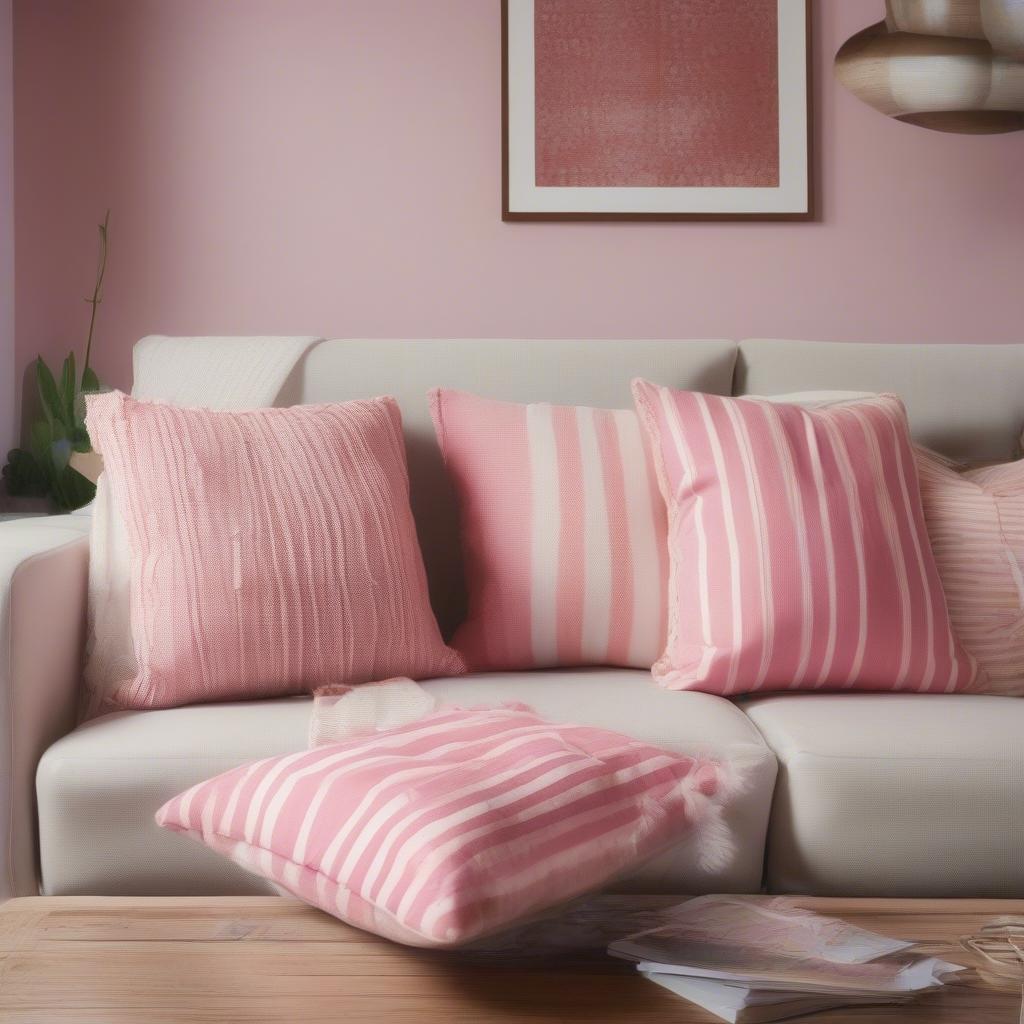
<point>459,824</point>
<point>976,522</point>
<point>271,551</point>
<point>563,532</point>
<point>799,553</point>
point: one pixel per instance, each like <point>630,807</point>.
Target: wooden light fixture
<point>948,65</point>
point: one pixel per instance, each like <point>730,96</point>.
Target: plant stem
<point>97,297</point>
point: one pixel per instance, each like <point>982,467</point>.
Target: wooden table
<point>113,960</point>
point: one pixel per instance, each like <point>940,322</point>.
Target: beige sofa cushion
<point>99,787</point>
<point>963,400</point>
<point>895,794</point>
<point>43,566</point>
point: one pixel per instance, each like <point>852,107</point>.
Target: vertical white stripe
<point>641,491</point>
<point>544,533</point>
<point>256,801</point>
<point>228,816</point>
<point>342,897</point>
<point>671,413</point>
<point>185,806</point>
<point>597,555</point>
<point>828,542</point>
<point>739,425</point>
<point>887,514</point>
<point>321,883</point>
<point>206,822</point>
<point>926,582</point>
<point>796,505</point>
<point>265,864</point>
<point>856,527</point>
<point>729,518</point>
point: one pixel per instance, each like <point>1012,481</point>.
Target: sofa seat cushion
<point>99,787</point>
<point>895,794</point>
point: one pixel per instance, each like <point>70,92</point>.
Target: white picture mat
<point>791,195</point>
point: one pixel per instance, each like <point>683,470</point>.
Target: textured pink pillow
<point>563,532</point>
<point>976,522</point>
<point>799,553</point>
<point>458,824</point>
<point>271,551</point>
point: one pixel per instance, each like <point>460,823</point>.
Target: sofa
<point>843,794</point>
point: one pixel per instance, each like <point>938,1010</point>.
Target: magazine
<point>756,959</point>
<point>738,1004</point>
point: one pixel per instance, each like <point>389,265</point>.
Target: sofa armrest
<point>44,565</point>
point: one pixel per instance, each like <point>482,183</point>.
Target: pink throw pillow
<point>799,553</point>
<point>457,825</point>
<point>976,522</point>
<point>563,532</point>
<point>271,551</point>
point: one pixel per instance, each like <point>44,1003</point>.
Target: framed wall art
<point>655,109</point>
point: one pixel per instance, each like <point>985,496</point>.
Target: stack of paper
<point>748,959</point>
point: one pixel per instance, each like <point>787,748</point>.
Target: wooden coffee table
<point>113,960</point>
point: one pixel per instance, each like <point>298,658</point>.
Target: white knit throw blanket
<point>213,373</point>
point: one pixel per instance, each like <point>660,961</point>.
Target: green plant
<point>42,469</point>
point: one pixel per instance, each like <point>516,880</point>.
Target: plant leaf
<point>90,382</point>
<point>80,439</point>
<point>22,476</point>
<point>48,393</point>
<point>72,490</point>
<point>68,387</point>
<point>42,438</point>
<point>60,452</point>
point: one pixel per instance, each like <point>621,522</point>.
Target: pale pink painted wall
<point>332,167</point>
<point>7,359</point>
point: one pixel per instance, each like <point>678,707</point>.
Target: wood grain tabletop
<point>214,960</point>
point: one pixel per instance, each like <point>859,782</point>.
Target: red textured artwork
<point>656,93</point>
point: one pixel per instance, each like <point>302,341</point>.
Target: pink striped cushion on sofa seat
<point>976,522</point>
<point>456,825</point>
<point>271,551</point>
<point>563,533</point>
<point>799,553</point>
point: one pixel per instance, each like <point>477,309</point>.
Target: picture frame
<point>748,158</point>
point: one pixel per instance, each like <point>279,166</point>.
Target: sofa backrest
<point>966,401</point>
<point>593,373</point>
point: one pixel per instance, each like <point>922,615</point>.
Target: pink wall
<point>332,166</point>
<point>7,388</point>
